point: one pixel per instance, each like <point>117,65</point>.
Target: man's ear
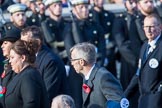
<point>83,62</point>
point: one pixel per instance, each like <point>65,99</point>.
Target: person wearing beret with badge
<point>84,30</point>
<point>100,88</point>
<point>54,28</point>
<point>149,72</point>
<point>17,17</point>
<point>6,42</point>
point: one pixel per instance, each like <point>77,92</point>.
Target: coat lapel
<point>12,84</point>
<point>157,45</point>
<point>90,83</point>
<point>144,54</point>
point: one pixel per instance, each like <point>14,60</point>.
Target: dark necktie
<point>147,50</point>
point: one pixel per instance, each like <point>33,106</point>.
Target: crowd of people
<point>49,61</point>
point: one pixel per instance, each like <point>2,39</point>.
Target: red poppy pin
<point>3,74</point>
<point>86,88</point>
<point>2,91</point>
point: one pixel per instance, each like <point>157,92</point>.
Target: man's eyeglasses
<point>150,27</point>
<point>75,59</point>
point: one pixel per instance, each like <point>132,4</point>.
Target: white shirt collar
<point>153,42</point>
<point>89,73</point>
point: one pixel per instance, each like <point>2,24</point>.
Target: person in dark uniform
<point>129,45</point>
<point>148,75</point>
<point>27,89</point>
<point>84,30</point>
<point>54,28</point>
<point>105,18</point>
<point>7,74</point>
<point>36,12</point>
<point>17,18</point>
<point>48,63</point>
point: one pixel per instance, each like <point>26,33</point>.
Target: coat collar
<point>12,85</point>
<point>90,83</point>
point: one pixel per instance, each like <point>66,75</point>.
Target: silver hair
<point>63,101</point>
<point>86,51</point>
<point>68,101</point>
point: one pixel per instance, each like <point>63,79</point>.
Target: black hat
<point>11,35</point>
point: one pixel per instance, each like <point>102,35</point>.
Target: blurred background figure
<point>54,28</point>
<point>158,6</point>
<point>105,19</point>
<point>84,30</point>
<point>36,12</point>
<point>63,101</point>
<point>115,1</point>
<point>64,3</point>
<point>128,45</point>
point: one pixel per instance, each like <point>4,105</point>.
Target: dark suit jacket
<point>104,87</point>
<point>52,71</point>
<point>150,77</point>
<point>26,90</point>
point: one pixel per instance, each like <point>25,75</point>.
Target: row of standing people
<point>126,48</point>
<point>48,64</point>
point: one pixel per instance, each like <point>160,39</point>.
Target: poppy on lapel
<point>2,91</point>
<point>86,88</point>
